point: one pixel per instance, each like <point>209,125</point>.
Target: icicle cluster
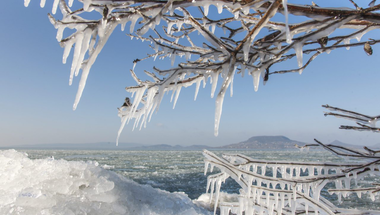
<point>278,187</point>
<point>208,53</point>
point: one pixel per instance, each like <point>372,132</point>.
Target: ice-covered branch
<point>215,46</point>
<point>357,117</point>
<point>276,187</point>
<point>291,187</point>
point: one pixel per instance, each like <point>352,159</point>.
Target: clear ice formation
<point>60,187</point>
<point>281,187</point>
<point>219,57</point>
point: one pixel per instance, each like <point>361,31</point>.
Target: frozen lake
<point>179,172</point>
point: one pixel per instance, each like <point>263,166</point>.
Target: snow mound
<point>49,186</point>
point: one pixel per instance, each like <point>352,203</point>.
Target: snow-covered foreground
<point>49,186</point>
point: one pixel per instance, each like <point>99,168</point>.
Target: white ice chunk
<point>77,187</point>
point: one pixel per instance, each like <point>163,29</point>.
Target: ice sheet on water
<point>49,186</point>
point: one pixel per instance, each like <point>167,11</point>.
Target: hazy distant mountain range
<point>253,143</point>
<point>265,142</point>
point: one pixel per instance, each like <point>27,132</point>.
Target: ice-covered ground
<point>49,186</point>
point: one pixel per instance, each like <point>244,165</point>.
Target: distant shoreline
<point>255,143</point>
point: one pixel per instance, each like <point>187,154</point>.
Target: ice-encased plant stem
<point>295,187</point>
<point>179,29</point>
<point>282,187</point>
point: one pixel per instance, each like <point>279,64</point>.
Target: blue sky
<point>36,100</point>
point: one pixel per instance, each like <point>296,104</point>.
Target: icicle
<point>212,185</point>
<point>205,9</point>
<point>283,172</point>
<point>217,192</point>
<point>359,36</point>
<point>246,48</point>
<point>77,50</point>
<point>359,193</point>
<point>220,97</point>
<point>198,84</point>
<point>71,3</point>
<point>171,8</point>
<point>213,25</point>
<point>276,200</point>
<point>169,29</point>
<point>220,7</point>
<point>172,58</point>
<point>355,175</point>
<point>123,121</point>
<point>232,86</point>
<point>66,52</point>
<point>347,183</point>
<point>282,196</point>
<point>133,23</point>
<point>299,52</point>
<point>86,4</point>
<point>298,172</point>
<point>187,55</point>
<point>26,3</point>
<point>85,46</point>
<point>60,33</point>
<point>214,81</point>
<point>89,63</point>
<point>307,208</point>
<point>256,78</point>
<point>206,168</point>
<point>372,196</point>
<point>55,6</point>
<point>347,42</point>
<point>288,36</point>
<point>263,170</point>
<point>42,3</point>
<point>102,28</point>
<point>242,69</point>
<point>179,26</point>
<point>258,196</point>
<point>122,26</point>
<point>249,192</point>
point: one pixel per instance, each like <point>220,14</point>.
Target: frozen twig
<point>173,27</point>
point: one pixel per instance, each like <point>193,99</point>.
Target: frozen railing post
<point>204,44</point>
<point>295,187</point>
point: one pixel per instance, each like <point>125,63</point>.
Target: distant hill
<point>265,142</point>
